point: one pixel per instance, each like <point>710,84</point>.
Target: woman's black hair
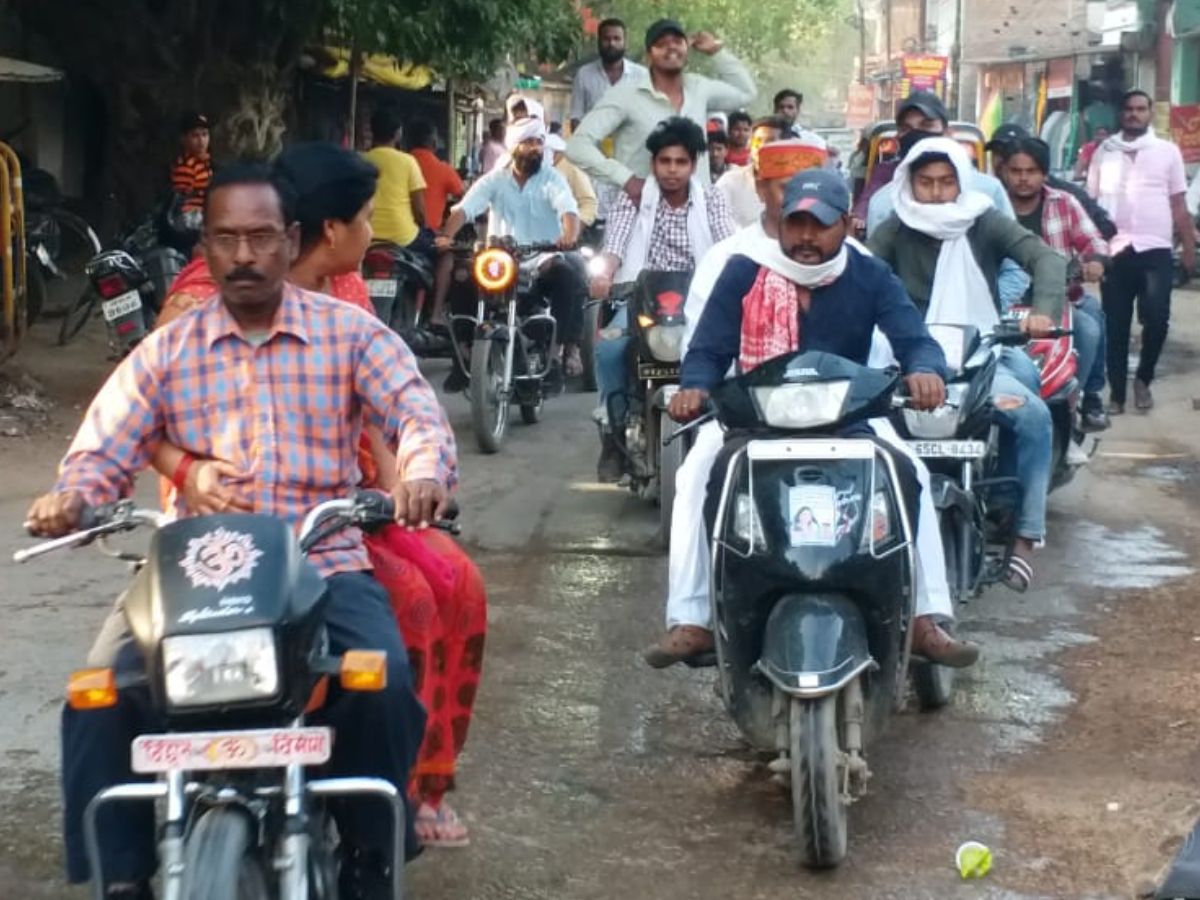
<point>677,132</point>
<point>329,182</point>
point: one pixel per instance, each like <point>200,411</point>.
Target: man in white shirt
<point>593,79</point>
<point>787,105</point>
<point>629,112</point>
<point>738,183</point>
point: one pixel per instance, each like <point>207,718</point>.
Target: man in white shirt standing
<point>593,79</point>
<point>738,184</point>
<point>629,112</point>
<point>787,106</point>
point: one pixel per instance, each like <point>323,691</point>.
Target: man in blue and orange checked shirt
<point>278,381</point>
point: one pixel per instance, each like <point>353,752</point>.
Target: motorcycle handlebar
<point>1014,337</point>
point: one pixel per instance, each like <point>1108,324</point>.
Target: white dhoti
<point>689,559</point>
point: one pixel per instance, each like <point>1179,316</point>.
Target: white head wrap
<point>524,130</point>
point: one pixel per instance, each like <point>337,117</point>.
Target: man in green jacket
<point>946,244</point>
<point>629,111</point>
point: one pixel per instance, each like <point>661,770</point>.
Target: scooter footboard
<point>814,644</point>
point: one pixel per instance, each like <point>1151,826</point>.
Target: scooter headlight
<point>665,342</point>
<point>808,405</point>
<point>228,667</point>
<point>942,422</point>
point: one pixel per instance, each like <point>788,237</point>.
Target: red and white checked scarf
<point>771,310</point>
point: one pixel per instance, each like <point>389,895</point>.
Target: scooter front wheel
<point>818,806</point>
<point>489,400</point>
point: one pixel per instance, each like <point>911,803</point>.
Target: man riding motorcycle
<point>802,290</point>
<point>678,220</point>
<point>297,449</point>
<point>530,201</point>
<point>1061,221</point>
<point>946,244</point>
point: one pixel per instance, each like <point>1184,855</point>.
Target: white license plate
<point>217,750</point>
<point>382,287</point>
<point>949,449</point>
<point>120,306</point>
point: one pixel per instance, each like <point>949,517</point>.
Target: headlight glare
<point>808,405</point>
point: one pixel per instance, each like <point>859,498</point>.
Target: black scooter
<point>813,579</point>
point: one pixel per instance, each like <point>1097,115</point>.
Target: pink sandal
<point>440,827</point>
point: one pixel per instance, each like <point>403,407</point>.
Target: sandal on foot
<point>1018,573</point>
<point>440,827</point>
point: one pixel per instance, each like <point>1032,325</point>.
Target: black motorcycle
<point>506,347</point>
<point>129,284</point>
<point>232,670</point>
<point>400,284</point>
<point>813,579</point>
<point>959,443</point>
<point>654,311</point>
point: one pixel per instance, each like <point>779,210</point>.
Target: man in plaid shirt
<point>277,381</point>
<point>678,218</point>
<point>1062,222</point>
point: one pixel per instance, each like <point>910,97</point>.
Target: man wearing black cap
<point>1003,144</point>
<point>629,111</point>
<point>920,111</point>
<point>833,297</point>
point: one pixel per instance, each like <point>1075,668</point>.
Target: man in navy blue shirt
<point>807,291</point>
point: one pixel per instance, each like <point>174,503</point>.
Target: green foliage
<point>464,38</point>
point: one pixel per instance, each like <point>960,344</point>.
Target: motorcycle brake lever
<point>690,426</point>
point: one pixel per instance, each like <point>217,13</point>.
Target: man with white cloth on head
<point>528,200</point>
<point>946,244</point>
<point>805,289</point>
<point>677,220</point>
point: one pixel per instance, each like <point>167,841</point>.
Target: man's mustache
<point>244,274</point>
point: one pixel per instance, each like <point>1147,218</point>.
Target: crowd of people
<point>759,214</point>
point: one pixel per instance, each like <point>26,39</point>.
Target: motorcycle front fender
<point>496,331</point>
<point>947,494</point>
<point>662,396</point>
<point>814,644</point>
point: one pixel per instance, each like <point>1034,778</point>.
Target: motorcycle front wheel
<point>489,409</point>
<point>587,346</point>
<point>220,862</point>
<point>818,807</point>
<point>670,458</point>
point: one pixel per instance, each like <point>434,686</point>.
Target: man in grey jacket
<point>629,111</point>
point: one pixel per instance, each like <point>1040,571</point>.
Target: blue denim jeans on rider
<point>612,367</point>
<point>377,735</point>
<point>1026,438</point>
<point>1089,327</point>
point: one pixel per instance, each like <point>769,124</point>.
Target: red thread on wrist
<point>179,477</point>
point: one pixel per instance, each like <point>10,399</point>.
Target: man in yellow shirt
<point>400,196</point>
<point>580,184</point>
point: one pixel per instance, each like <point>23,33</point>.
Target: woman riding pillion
<point>678,219</point>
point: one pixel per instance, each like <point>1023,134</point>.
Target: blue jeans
<point>612,369</point>
<point>1026,438</point>
<point>377,735</point>
<point>1090,341</point>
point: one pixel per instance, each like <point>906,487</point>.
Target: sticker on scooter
<point>220,558</point>
<point>812,512</point>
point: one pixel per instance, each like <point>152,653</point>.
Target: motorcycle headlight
<point>801,405</point>
<point>597,265</point>
<point>230,667</point>
<point>665,342</point>
<point>942,422</point>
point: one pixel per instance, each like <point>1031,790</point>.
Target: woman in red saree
<point>437,593</point>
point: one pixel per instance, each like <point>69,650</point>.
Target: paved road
<point>1070,749</point>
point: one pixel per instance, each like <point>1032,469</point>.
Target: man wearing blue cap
<point>809,290</point>
<point>629,111</point>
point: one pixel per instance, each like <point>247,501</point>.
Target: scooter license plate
<point>949,449</point>
<point>265,748</point>
<point>128,302</point>
<point>382,287</point>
